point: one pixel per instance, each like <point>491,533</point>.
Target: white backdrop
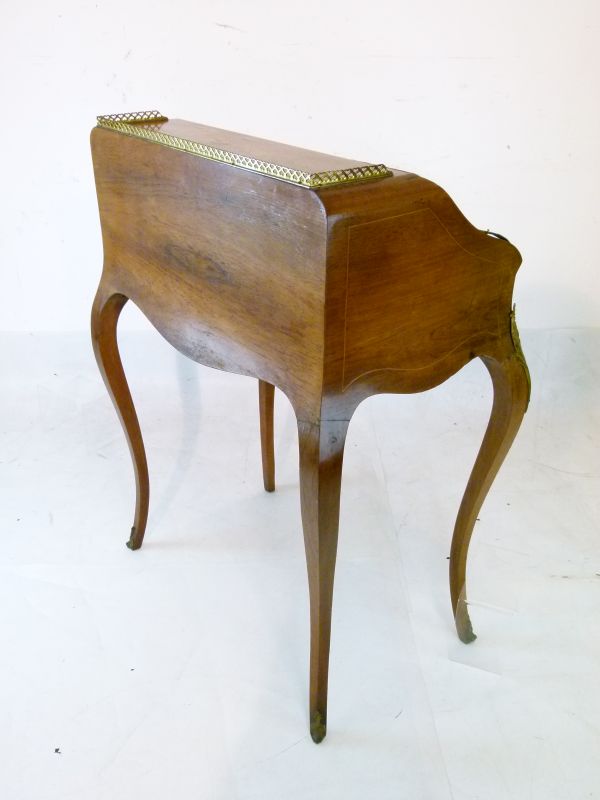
<point>498,103</point>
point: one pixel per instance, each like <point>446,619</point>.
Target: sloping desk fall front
<point>331,279</point>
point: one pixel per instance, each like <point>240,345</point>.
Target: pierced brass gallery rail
<point>142,124</point>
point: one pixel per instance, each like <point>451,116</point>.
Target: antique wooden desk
<point>330,279</point>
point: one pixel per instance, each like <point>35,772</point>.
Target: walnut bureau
<point>330,279</point>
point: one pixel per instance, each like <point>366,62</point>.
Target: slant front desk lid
<point>284,162</point>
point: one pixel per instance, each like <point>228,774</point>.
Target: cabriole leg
<point>105,315</point>
<point>321,454</point>
<point>510,378</point>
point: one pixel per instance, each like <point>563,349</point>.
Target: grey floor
<point>180,671</point>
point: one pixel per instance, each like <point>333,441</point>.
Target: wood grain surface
<point>330,295</point>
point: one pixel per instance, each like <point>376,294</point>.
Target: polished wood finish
<point>331,295</point>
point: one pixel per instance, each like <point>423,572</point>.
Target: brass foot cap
<point>318,727</point>
<point>131,544</point>
<point>467,636</point>
<point>463,624</point>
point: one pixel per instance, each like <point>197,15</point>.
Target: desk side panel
<point>418,290</point>
<point>228,265</point>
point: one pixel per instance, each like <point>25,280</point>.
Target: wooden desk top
<point>284,162</point>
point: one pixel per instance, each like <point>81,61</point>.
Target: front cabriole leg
<point>321,454</point>
<point>512,387</point>
<point>105,315</point>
